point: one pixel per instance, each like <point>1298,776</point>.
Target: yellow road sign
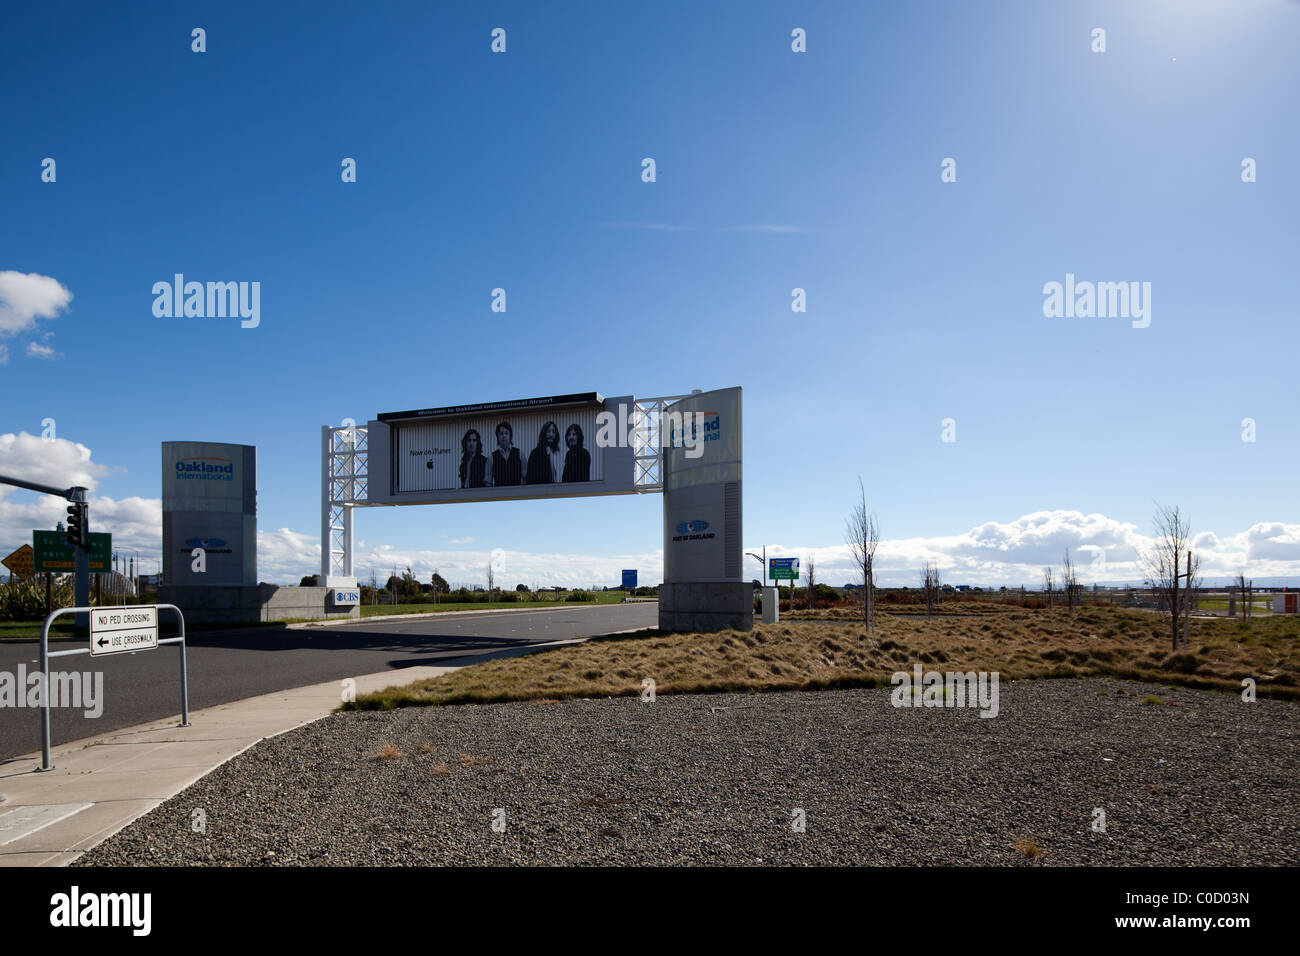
<point>20,562</point>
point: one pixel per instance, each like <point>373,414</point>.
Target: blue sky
<point>775,170</point>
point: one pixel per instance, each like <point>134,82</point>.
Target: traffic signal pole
<point>43,489</point>
<point>79,535</point>
<point>81,579</point>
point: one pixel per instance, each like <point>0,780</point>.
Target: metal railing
<point>46,654</point>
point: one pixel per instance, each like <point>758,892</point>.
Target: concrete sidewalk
<point>99,785</point>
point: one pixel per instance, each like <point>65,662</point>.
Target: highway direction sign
<point>53,553</point>
<point>116,630</point>
<point>783,569</point>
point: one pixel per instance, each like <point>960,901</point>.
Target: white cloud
<point>1270,541</point>
<point>4,354</point>
<point>1015,552</point>
<point>39,351</point>
<point>57,462</point>
<point>135,523</point>
<point>284,556</point>
<point>26,297</point>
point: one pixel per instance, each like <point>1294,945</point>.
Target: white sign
<point>116,630</point>
<point>346,597</point>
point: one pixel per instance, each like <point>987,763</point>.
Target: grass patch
<point>31,630</point>
<point>817,655</point>
<point>388,752</point>
<point>1029,849</point>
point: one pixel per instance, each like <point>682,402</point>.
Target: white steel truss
<point>647,442</point>
<point>344,486</point>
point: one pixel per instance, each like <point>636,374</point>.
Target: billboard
<point>522,448</point>
<point>209,499</point>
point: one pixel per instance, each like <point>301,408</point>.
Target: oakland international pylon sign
<point>687,447</point>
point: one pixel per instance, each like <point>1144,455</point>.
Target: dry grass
<point>944,609</point>
<point>810,655</point>
<point>426,747</point>
<point>441,769</point>
<point>1029,849</point>
<point>388,752</point>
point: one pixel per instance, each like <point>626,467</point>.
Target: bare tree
<point>1069,580</point>
<point>1246,590</point>
<point>812,583</point>
<point>930,585</point>
<point>491,581</point>
<point>1047,584</point>
<point>862,535</point>
<point>1168,564</point>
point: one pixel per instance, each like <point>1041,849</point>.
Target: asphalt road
<point>246,662</point>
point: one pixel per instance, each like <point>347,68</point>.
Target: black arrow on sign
<point>102,641</point>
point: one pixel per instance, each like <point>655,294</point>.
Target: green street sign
<point>783,569</point>
<point>53,553</point>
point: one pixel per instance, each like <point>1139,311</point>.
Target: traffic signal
<point>78,535</point>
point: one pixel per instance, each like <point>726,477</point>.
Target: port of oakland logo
<point>697,530</point>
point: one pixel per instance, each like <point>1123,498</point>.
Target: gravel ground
<point>715,779</point>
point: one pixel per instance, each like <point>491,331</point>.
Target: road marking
<point>24,821</point>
